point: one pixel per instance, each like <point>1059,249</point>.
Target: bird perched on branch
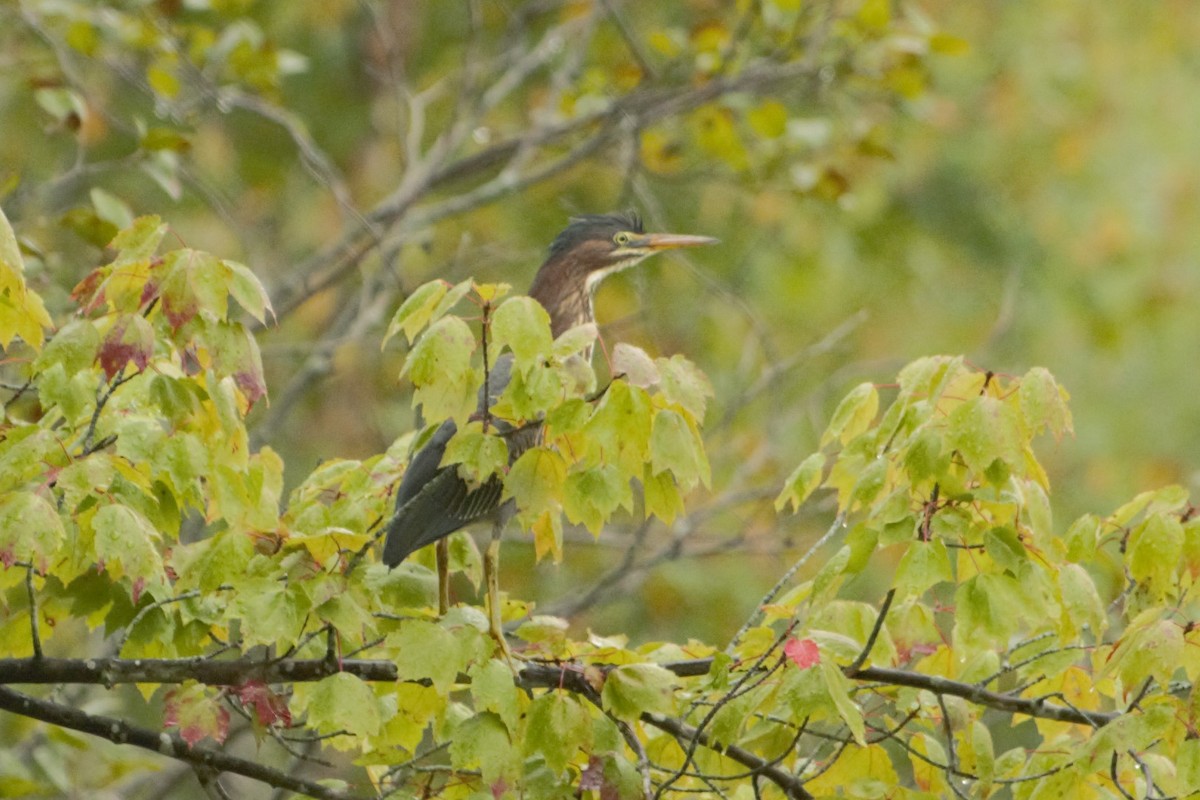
<point>433,501</point>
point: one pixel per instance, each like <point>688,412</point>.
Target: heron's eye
<point>621,238</point>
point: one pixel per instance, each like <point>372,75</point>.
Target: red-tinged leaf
<point>149,292</point>
<point>252,384</point>
<point>269,708</point>
<point>235,353</point>
<point>195,714</point>
<point>131,339</point>
<point>193,282</point>
<point>139,585</point>
<point>802,652</point>
<point>8,556</point>
<point>85,292</point>
<point>499,787</point>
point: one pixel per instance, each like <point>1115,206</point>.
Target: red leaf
<point>149,292</point>
<point>252,385</point>
<point>130,339</point>
<point>803,652</point>
<point>499,788</point>
<point>270,708</point>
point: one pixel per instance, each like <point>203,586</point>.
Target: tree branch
<point>172,745</point>
<point>232,672</point>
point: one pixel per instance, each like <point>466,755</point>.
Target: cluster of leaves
<point>132,502</point>
<point>134,419</point>
<point>946,502</point>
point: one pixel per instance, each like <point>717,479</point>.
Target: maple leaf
<point>130,339</point>
<point>269,708</point>
<point>803,652</point>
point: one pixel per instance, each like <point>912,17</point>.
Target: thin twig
<point>857,663</point>
<point>838,523</point>
<point>33,613</point>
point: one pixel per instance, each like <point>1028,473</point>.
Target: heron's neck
<point>565,288</point>
<point>566,294</point>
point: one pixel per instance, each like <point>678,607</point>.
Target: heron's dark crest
<point>594,226</point>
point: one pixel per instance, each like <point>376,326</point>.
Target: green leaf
<point>531,393</point>
<point>235,354</point>
<point>635,365</point>
<point>661,495</point>
<point>633,689</point>
<point>1044,403</point>
<point>344,703</point>
<point>478,455</point>
<point>1005,548</point>
<point>575,340</point>
<point>246,288</point>
<point>456,293</point>
<point>440,369</point>
<point>620,427</point>
<point>536,480</point>
<point>923,565</point>
<point>547,535</point>
<point>128,545</point>
<point>30,529</point>
<point>853,415</point>
<point>271,612</point>
<point>74,346</point>
<point>675,446</point>
<point>591,496</point>
<point>870,482</point>
<point>1153,553</point>
<point>984,429</point>
<point>838,686</point>
<point>416,311</point>
<point>492,689</point>
<point>212,562</point>
<point>1081,603</point>
<point>522,325</point>
<point>683,384</point>
<point>989,608</point>
<point>567,417</point>
<point>140,240</point>
<point>803,481</point>
<point>426,650</point>
<point>558,727</point>
<point>482,742</point>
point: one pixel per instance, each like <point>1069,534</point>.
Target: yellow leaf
<point>547,536</point>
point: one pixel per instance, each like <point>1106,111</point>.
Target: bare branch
<point>164,743</point>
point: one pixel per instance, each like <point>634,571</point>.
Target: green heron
<point>433,501</point>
